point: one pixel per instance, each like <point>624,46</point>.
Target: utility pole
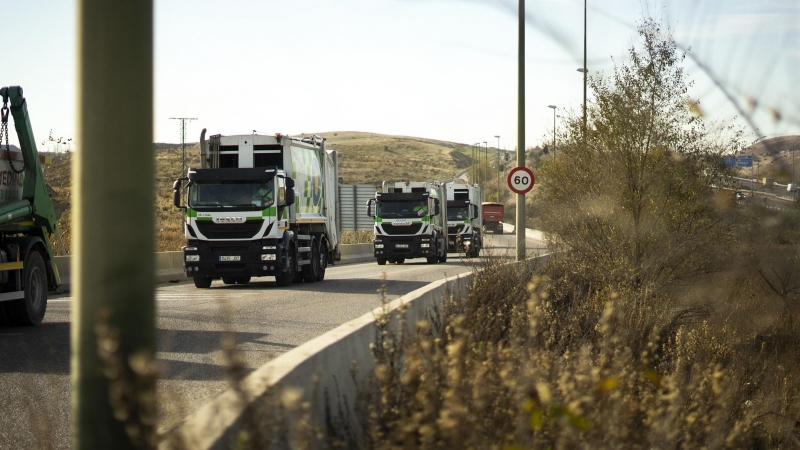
<point>113,367</point>
<point>520,227</point>
<point>585,72</point>
<point>485,164</point>
<point>498,169</point>
<point>183,141</point>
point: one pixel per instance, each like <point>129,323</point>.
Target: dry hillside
<point>773,158</point>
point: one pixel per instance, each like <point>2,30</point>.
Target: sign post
<point>520,181</point>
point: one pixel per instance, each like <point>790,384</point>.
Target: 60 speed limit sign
<point>520,180</point>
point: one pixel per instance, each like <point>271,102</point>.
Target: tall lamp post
<point>554,107</point>
<point>794,186</point>
<point>485,164</point>
<point>498,169</point>
<point>477,165</point>
<point>583,69</point>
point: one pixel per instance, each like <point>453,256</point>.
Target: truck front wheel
<point>30,310</point>
<point>286,278</point>
<point>202,282</point>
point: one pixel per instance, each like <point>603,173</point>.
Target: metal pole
<point>113,330</point>
<point>584,69</point>
<point>498,169</point>
<point>554,133</point>
<point>485,165</point>
<point>520,227</point>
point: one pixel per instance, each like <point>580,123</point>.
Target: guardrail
<point>319,371</point>
<point>169,265</point>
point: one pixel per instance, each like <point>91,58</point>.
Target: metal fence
<point>353,207</point>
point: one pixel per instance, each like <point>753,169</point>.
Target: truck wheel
<point>381,261</point>
<point>323,260</point>
<point>30,310</point>
<point>311,270</point>
<point>202,282</point>
<point>401,261</point>
<point>432,259</point>
<point>229,280</point>
<point>443,258</point>
<point>242,280</point>
<point>286,278</point>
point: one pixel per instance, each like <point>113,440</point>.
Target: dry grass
<point>526,361</point>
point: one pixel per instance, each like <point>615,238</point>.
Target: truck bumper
<point>219,259</point>
<point>404,247</point>
<point>454,244</point>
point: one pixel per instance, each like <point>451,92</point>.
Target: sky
<point>440,69</point>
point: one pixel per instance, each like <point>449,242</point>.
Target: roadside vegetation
<point>665,317</point>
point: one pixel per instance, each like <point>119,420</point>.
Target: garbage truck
<point>464,210</point>
<point>260,206</point>
<point>27,220</point>
<point>410,221</point>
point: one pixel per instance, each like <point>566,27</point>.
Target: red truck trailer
<point>493,217</point>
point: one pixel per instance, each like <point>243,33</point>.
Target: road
<point>263,319</point>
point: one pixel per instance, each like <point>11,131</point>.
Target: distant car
<point>740,196</point>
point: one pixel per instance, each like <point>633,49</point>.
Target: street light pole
<point>485,164</point>
<point>585,72</point>
<point>794,186</point>
<point>520,224</point>
<point>498,169</point>
<point>554,107</point>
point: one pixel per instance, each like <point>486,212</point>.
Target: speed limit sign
<point>520,180</point>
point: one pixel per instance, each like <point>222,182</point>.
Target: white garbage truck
<point>258,206</point>
<point>410,221</point>
<point>464,218</point>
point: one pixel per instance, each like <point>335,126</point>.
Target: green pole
<point>113,329</point>
<point>520,228</point>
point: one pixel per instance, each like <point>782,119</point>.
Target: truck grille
<point>245,230</point>
<point>454,230</point>
<point>395,230</point>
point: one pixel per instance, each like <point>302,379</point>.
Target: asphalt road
<point>264,320</point>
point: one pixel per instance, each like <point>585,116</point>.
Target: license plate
<point>401,246</point>
<point>230,258</point>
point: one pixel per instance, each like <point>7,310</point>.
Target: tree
<point>631,202</point>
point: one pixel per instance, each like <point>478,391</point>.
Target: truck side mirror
<point>289,192</point>
<point>176,194</point>
<point>436,207</point>
<point>370,202</point>
<point>474,212</point>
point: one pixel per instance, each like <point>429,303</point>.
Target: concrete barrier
<point>169,265</point>
<point>319,372</point>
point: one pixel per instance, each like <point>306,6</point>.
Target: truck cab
<point>410,221</point>
<point>464,219</point>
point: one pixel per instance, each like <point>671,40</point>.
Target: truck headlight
<point>192,258</point>
<point>425,245</point>
<point>268,257</point>
<point>378,245</point>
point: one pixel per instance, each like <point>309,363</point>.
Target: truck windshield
<point>457,212</point>
<point>388,210</point>
<point>231,194</point>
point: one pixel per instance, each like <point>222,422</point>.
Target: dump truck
<point>410,221</point>
<point>27,221</point>
<point>464,218</point>
<point>493,217</point>
<point>260,206</point>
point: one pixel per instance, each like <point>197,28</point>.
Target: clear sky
<point>442,69</point>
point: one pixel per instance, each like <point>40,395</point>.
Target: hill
<point>371,158</point>
<point>773,158</point>
<point>363,158</point>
